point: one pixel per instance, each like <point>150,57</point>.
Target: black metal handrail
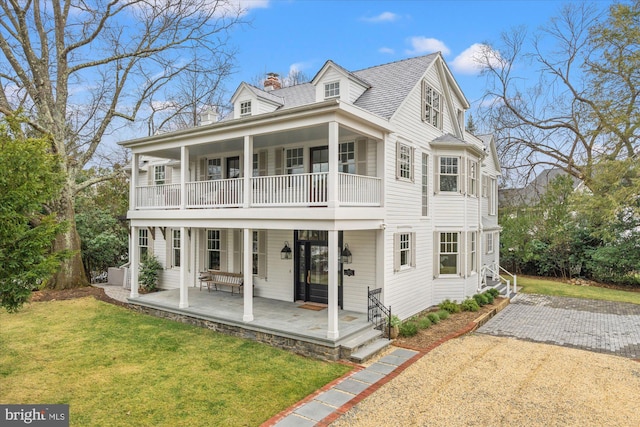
<point>378,314</point>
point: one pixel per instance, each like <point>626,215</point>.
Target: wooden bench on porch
<point>217,278</point>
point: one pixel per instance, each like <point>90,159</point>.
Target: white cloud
<point>470,60</point>
<point>253,4</point>
<point>386,50</point>
<point>383,17</point>
<point>427,45</point>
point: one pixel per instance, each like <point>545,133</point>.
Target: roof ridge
<point>397,61</point>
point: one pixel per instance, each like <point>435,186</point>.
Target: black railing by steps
<point>378,314</point>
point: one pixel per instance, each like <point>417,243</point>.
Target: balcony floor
<point>282,318</point>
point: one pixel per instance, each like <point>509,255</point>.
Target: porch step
<point>369,350</point>
<point>360,339</point>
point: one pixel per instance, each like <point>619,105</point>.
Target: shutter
<point>436,174</point>
<point>201,248</point>
<point>262,254</point>
<point>396,252</point>
<point>151,170</point>
<point>168,174</point>
<point>397,160</point>
<point>278,159</point>
<point>361,157</point>
<point>462,269</point>
<point>202,176</point>
<point>462,163</point>
<point>436,254</point>
<point>224,245</point>
<point>237,251</point>
<point>168,246</point>
<point>412,163</point>
<point>262,163</point>
<point>413,249</point>
<point>469,252</point>
<point>423,101</point>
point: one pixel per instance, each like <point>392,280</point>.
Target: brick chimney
<point>272,82</point>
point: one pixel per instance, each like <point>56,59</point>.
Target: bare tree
<point>583,107</point>
<point>79,70</point>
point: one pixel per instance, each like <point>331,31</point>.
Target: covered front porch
<point>284,324</point>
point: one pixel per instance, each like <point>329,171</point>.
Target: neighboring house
<point>373,163</point>
<point>530,194</point>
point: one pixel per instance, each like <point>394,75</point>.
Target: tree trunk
<point>71,273</point>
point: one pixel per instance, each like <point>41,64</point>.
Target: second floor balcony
<point>305,189</point>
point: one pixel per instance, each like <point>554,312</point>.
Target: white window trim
<point>473,178</point>
<point>490,243</point>
<point>397,251</point>
<point>493,196</point>
<point>332,90</point>
<point>457,253</point>
<point>458,174</point>
<point>175,257</point>
<point>425,185</point>
<point>159,175</point>
<point>429,94</point>
<point>208,250</point>
<point>245,108</point>
<point>400,161</point>
<point>287,168</point>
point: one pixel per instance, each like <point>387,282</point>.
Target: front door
<point>233,167</point>
<point>313,271</point>
<point>319,163</point>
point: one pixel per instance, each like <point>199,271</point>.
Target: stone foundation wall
<point>295,345</point>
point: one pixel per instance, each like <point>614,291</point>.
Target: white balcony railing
<point>166,196</point>
<point>306,189</point>
<point>219,193</point>
<point>309,189</point>
<point>359,190</point>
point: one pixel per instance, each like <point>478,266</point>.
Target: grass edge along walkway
<point>116,367</point>
<point>544,286</point>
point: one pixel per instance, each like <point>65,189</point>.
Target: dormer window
<point>432,106</point>
<point>331,90</point>
<point>245,108</point>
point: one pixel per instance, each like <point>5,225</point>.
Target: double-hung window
<point>449,174</point>
<point>294,161</point>
<point>432,106</point>
<point>404,250</point>
<point>159,175</point>
<point>489,243</point>
<point>473,179</point>
<point>448,253</point>
<point>493,196</point>
<point>175,248</point>
<point>214,169</point>
<point>473,248</point>
<point>347,157</point>
<point>331,90</point>
<point>404,162</point>
<point>213,249</point>
<point>143,242</point>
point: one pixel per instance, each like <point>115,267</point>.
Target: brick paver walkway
<point>600,326</point>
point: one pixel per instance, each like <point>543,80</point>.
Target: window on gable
<point>175,248</point>
<point>331,90</point>
<point>449,174</point>
<point>432,106</point>
<point>159,175</point>
<point>347,157</point>
<point>404,250</point>
<point>294,161</point>
<point>404,162</point>
<point>425,184</point>
<point>245,108</point>
<point>448,253</point>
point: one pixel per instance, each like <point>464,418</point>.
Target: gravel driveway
<point>484,380</point>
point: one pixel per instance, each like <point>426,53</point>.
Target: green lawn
<point>115,367</point>
<point>536,285</point>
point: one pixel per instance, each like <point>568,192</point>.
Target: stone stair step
<point>369,350</point>
<point>361,338</point>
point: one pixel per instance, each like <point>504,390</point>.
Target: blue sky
<point>359,34</point>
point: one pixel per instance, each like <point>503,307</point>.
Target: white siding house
<point>376,162</point>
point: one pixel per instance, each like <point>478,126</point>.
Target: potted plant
<point>394,323</point>
<point>149,273</point>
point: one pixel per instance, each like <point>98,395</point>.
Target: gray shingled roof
<point>390,85</point>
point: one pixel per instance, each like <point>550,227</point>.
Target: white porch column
<point>332,330</point>
<point>248,170</point>
<point>184,267</point>
<point>135,161</point>
<point>247,268</point>
<point>332,179</point>
<point>134,261</point>
<point>184,176</point>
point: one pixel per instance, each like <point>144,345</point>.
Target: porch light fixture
<point>346,255</point>
<point>285,253</point>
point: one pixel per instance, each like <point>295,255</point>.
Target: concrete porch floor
<point>282,318</point>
